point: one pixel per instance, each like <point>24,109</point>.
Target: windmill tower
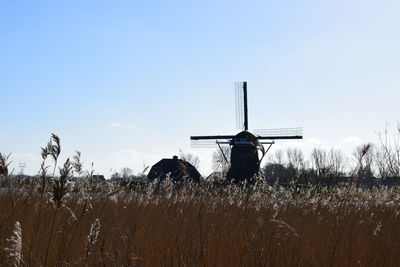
<point>247,150</point>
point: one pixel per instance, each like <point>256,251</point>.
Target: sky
<point>127,82</point>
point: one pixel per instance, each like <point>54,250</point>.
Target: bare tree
<point>189,157</point>
<point>295,158</point>
<point>387,155</point>
<point>126,173</point>
<point>275,170</point>
<point>319,162</point>
<point>220,159</point>
<point>336,162</point>
<point>381,163</point>
<point>277,157</point>
<point>296,163</point>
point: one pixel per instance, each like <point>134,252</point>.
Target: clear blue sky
<point>127,82</point>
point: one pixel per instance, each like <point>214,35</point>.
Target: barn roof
<point>177,169</point>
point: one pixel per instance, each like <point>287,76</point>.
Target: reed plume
<point>77,163</point>
<point>92,237</point>
<point>14,249</point>
<point>52,149</point>
<point>42,178</point>
<point>4,163</point>
<point>60,184</point>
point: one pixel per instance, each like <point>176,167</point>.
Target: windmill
<point>247,149</point>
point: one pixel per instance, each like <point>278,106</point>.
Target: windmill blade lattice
<point>207,143</point>
<point>239,104</point>
<point>280,133</point>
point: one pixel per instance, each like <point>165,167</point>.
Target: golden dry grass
<point>206,227</point>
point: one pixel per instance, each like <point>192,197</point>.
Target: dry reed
<point>207,227</point>
<point>195,225</point>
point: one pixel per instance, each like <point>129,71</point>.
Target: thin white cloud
<point>353,140</point>
<point>121,125</point>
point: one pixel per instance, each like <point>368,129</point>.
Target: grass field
<point>204,226</point>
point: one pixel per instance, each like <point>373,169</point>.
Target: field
<point>202,226</point>
<point>303,219</point>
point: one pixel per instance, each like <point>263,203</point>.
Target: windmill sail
<point>240,106</point>
<point>209,141</point>
<point>279,133</point>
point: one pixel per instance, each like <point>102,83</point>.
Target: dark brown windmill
<point>247,150</point>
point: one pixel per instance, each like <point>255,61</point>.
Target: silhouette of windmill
<point>247,150</point>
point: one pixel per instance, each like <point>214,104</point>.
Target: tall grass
<point>206,226</point>
<point>58,223</point>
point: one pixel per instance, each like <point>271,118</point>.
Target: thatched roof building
<point>178,170</point>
